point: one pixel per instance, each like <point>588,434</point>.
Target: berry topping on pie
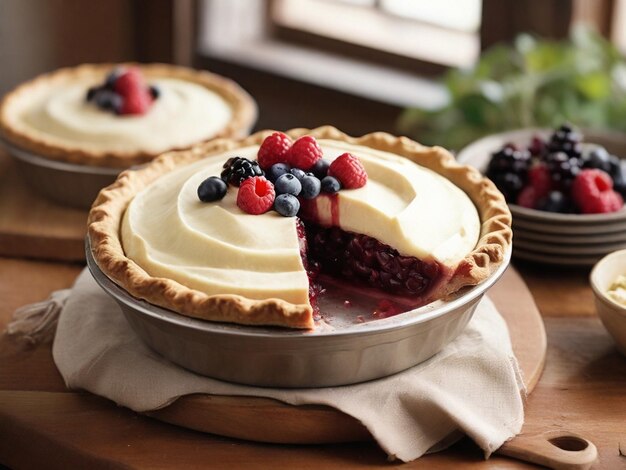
<point>330,184</point>
<point>124,92</point>
<point>256,195</point>
<point>212,189</point>
<point>274,149</point>
<point>349,171</point>
<point>420,228</point>
<point>304,153</point>
<point>238,169</point>
<point>287,205</point>
<point>288,184</point>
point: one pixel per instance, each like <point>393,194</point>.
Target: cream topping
<point>218,249</point>
<point>185,113</point>
<point>617,290</point>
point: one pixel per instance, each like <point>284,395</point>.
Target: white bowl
<point>612,314</point>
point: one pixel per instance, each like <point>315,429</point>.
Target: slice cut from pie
<point>61,117</point>
<point>421,228</point>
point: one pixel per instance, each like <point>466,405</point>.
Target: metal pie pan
<point>278,357</point>
<point>65,183</point>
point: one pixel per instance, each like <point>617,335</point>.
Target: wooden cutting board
<point>267,420</point>
<point>33,227</point>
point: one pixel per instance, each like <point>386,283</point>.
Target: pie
<point>421,227</point>
<point>52,117</point>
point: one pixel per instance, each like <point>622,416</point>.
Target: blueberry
<point>287,205</point>
<point>320,169</point>
<point>599,159</point>
<point>212,189</point>
<point>155,91</point>
<point>287,184</point>
<point>554,202</point>
<point>276,170</point>
<point>298,173</point>
<point>619,179</point>
<point>614,166</point>
<point>330,184</point>
<point>108,100</point>
<point>112,77</point>
<point>91,93</point>
<point>311,187</point>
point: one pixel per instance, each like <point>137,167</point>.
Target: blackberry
<point>509,184</point>
<point>566,139</point>
<point>238,169</point>
<point>563,169</point>
<point>509,160</point>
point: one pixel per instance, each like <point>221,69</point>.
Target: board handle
<point>560,450</point>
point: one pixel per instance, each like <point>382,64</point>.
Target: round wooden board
<point>267,420</point>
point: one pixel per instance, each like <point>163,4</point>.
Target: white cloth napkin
<point>473,385</point>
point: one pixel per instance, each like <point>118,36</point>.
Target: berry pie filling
<point>285,219</point>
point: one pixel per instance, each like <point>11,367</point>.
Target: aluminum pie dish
<point>65,183</point>
<point>278,357</point>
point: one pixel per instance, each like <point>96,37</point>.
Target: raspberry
<point>256,195</point>
<point>608,201</point>
<point>540,179</point>
<point>304,153</point>
<point>137,102</point>
<point>129,82</point>
<point>528,197</point>
<point>593,193</point>
<point>349,170</point>
<point>274,149</point>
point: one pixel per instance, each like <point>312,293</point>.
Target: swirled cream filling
<point>184,114</point>
<point>218,249</point>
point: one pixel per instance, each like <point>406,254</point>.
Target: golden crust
<point>243,106</point>
<point>106,215</point>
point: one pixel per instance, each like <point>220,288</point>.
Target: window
<point>244,32</point>
<point>445,32</point>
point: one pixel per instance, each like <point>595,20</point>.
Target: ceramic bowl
<point>552,238</point>
<point>612,314</point>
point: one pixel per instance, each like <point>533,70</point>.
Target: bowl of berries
<point>565,189</point>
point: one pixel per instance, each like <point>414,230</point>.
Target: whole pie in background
<point>121,115</point>
<point>204,233</point>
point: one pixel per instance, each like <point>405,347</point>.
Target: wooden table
<point>583,390</point>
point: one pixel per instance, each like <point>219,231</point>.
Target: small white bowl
<point>612,314</point>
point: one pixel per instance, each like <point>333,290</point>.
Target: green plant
<point>530,83</point>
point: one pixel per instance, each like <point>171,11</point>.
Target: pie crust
<point>244,112</point>
<point>108,210</point>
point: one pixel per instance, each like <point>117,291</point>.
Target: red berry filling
<point>362,258</point>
